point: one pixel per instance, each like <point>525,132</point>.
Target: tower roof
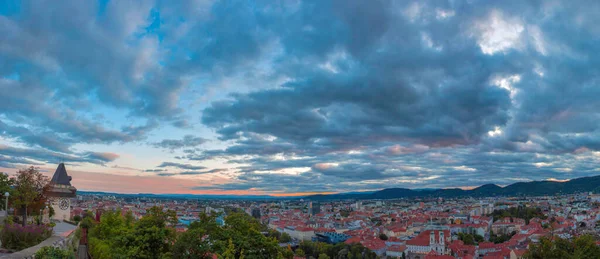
<point>61,176</point>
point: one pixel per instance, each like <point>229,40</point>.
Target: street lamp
<point>6,194</point>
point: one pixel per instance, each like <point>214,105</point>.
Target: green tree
<point>300,252</point>
<point>478,238</point>
<point>242,231</point>
<point>190,244</point>
<point>583,247</point>
<point>468,239</point>
<point>5,186</point>
<point>230,252</point>
<point>285,238</point>
<point>51,211</point>
<point>115,237</point>
<point>324,256</point>
<point>287,253</point>
<point>152,238</point>
<point>50,252</point>
<point>383,236</point>
<point>28,189</point>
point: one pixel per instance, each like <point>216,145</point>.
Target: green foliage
<point>470,239</point>
<point>190,244</point>
<point>17,237</point>
<point>88,220</point>
<point>300,252</point>
<point>497,239</point>
<point>340,250</point>
<point>244,231</point>
<point>28,189</point>
<point>519,212</point>
<point>466,238</point>
<point>77,218</point>
<point>230,252</point>
<point>383,236</point>
<point>240,237</point>
<point>50,252</point>
<point>478,238</point>
<point>583,247</point>
<point>5,186</point>
<point>285,238</point>
<point>9,220</point>
<point>281,237</point>
<point>116,237</point>
<point>546,226</point>
<point>344,213</point>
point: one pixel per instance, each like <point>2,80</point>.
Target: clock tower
<point>60,191</point>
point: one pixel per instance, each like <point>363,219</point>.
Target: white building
<point>429,240</point>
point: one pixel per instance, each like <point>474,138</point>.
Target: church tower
<point>60,192</point>
<point>431,238</point>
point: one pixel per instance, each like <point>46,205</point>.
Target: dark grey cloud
<point>54,157</point>
<point>162,172</point>
<point>181,166</point>
<point>11,161</point>
<point>435,94</point>
<point>102,156</point>
<point>155,170</point>
<point>193,172</point>
<point>312,95</point>
<point>187,142</point>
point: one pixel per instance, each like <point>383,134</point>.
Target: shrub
<point>17,237</point>
<point>50,252</point>
<point>9,220</point>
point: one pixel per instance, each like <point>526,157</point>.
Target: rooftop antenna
<point>430,221</point>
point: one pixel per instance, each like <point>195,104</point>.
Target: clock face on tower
<point>63,204</point>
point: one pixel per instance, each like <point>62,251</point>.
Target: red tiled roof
<point>397,248</point>
<point>439,257</point>
<point>352,240</point>
<point>423,238</point>
<point>374,244</point>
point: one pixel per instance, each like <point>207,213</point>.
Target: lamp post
<point>6,208</point>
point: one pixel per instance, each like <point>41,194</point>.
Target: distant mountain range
<point>534,188</point>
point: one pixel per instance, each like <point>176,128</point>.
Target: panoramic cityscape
<point>299,129</point>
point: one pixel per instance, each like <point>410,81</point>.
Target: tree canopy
<point>519,212</point>
<point>5,186</point>
<point>28,190</point>
<point>583,247</point>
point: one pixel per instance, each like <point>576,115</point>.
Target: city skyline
<point>299,97</point>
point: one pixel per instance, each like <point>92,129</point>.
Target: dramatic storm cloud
<point>301,96</point>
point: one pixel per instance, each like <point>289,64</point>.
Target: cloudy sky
<point>288,97</point>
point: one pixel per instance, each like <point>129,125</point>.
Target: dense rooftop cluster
<point>415,228</point>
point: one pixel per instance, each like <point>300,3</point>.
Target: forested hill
<point>534,188</point>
